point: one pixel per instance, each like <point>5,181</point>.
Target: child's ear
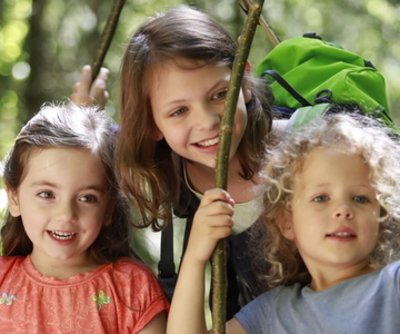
<point>247,95</point>
<point>246,90</point>
<point>285,224</point>
<point>13,202</point>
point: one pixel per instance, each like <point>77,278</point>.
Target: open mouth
<point>60,235</point>
<point>208,142</point>
<point>341,235</point>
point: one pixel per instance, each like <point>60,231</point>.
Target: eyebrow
<point>179,101</point>
<point>54,185</point>
<point>327,184</point>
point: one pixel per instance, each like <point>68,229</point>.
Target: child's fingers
<point>98,93</point>
<point>87,93</point>
<point>80,90</point>
<point>212,222</point>
<point>85,80</point>
<point>98,90</point>
<point>204,237</point>
<point>216,194</point>
<point>99,85</point>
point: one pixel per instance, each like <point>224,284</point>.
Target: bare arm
<point>233,326</point>
<point>156,325</point>
<point>86,93</point>
<point>212,222</point>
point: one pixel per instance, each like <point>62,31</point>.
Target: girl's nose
<point>208,117</point>
<point>66,212</point>
<point>343,211</point>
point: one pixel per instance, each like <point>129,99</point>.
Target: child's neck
<point>327,278</point>
<point>202,178</point>
<point>62,269</point>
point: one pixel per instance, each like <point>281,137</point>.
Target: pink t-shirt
<point>115,298</point>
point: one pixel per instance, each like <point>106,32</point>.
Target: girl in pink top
<point>65,265</point>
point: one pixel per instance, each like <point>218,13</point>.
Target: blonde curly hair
<point>351,132</point>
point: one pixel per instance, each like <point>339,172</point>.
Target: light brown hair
<point>146,167</point>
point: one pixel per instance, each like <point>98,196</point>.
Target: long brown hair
<point>68,126</point>
<point>147,170</point>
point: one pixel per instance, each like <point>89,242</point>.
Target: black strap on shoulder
<point>166,267</point>
<point>185,207</point>
<point>290,89</point>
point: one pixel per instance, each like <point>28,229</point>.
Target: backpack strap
<point>185,207</point>
<point>289,88</point>
<point>166,266</point>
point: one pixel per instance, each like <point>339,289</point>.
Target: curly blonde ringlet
<point>351,132</point>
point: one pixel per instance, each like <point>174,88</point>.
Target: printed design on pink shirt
<point>101,299</point>
<point>7,299</point>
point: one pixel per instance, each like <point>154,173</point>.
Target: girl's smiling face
<point>63,200</point>
<point>187,102</point>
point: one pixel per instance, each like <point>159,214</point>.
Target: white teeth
<point>208,142</point>
<point>341,234</point>
<point>62,235</point>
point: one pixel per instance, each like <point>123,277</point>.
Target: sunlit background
<point>44,44</point>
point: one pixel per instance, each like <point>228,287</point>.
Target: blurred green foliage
<point>44,44</point>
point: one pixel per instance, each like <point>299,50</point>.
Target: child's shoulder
<point>391,270</point>
<point>130,263</point>
<point>139,285</point>
<point>132,269</point>
<point>8,262</point>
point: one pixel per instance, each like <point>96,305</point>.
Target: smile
<point>208,142</point>
<point>341,234</point>
<point>62,235</point>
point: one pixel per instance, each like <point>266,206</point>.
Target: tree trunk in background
<point>36,45</point>
<point>237,21</point>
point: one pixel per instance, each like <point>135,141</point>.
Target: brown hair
<point>147,170</point>
<point>68,126</point>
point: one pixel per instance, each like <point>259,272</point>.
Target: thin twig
<point>106,37</point>
<point>245,4</point>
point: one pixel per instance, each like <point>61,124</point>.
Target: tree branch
<point>264,24</point>
<point>106,37</point>
<point>219,256</point>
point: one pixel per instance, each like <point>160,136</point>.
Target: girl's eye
<point>178,112</point>
<point>361,199</point>
<point>88,199</point>
<point>220,94</point>
<point>46,194</point>
<point>320,198</point>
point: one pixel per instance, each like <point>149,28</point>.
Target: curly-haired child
<point>332,228</point>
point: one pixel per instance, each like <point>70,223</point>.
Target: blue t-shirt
<point>368,304</point>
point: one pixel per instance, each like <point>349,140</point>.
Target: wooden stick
<point>106,37</point>
<point>264,24</point>
<point>219,257</point>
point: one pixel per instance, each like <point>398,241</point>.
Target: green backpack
<point>309,74</point>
